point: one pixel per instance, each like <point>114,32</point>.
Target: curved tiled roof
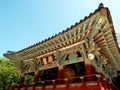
<point>97,25</point>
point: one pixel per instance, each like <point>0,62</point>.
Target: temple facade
<point>85,56</point>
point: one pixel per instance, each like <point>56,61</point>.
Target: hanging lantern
<point>91,56</point>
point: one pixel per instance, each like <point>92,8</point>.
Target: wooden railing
<point>95,82</point>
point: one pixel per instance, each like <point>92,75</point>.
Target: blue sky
<point>26,22</point>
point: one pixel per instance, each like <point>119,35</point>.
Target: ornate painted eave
<point>98,25</point>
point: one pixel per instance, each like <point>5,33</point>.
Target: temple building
<point>85,56</point>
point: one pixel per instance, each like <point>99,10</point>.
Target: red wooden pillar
<point>99,81</point>
<point>109,85</point>
<point>22,79</point>
<point>19,87</point>
<point>112,86</point>
<point>67,84</point>
<point>105,85</point>
<point>21,82</point>
<point>88,69</point>
<point>25,88</point>
<point>60,73</point>
<point>54,85</point>
<point>43,86</point>
<point>83,83</point>
<point>35,79</point>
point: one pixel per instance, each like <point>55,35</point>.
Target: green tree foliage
<point>9,75</point>
<point>28,79</point>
